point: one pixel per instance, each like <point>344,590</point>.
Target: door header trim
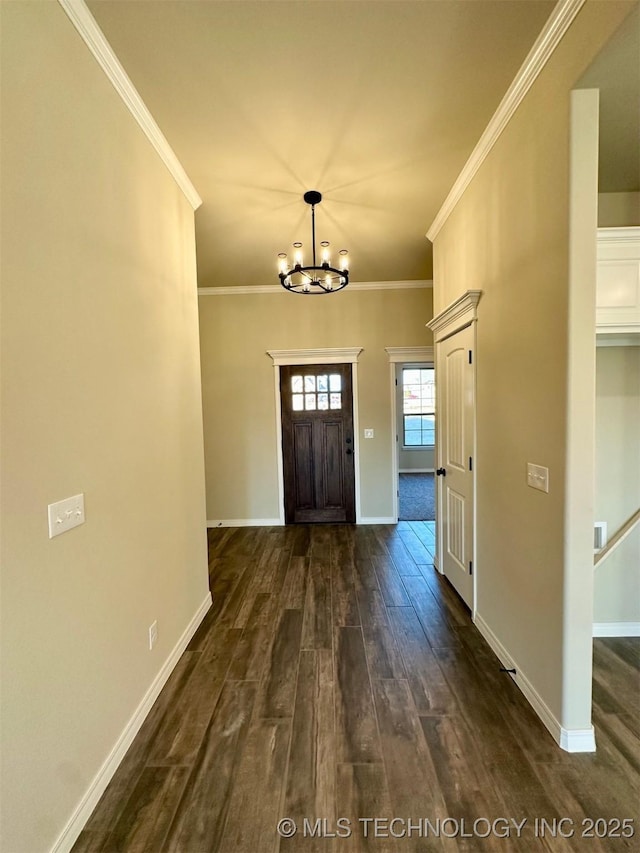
<point>457,315</point>
<point>325,355</point>
<point>402,355</point>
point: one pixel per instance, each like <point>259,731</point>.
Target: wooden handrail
<point>613,543</point>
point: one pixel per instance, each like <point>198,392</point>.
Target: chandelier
<point>316,277</point>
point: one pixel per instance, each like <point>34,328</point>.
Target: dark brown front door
<point>318,443</point>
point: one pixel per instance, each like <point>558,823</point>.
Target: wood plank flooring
<point>338,679</point>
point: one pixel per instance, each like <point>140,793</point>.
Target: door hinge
<point>471,463</point>
<point>396,383</point>
<point>470,357</point>
<point>470,567</point>
<point>396,438</point>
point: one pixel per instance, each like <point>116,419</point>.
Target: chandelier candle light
<point>314,278</point>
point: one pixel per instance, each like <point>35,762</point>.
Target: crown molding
<point>245,290</point>
<point>402,355</point>
<point>556,26</point>
<point>456,316</point>
<point>78,13</point>
<point>324,355</point>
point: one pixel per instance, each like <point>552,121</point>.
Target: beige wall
<point>617,580</point>
<point>101,395</point>
<point>618,210</point>
<point>415,460</point>
<point>239,391</point>
<point>508,236</point>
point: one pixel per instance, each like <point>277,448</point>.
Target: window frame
<point>404,415</point>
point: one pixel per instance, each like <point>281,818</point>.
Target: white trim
<point>616,629</point>
<point>575,652</point>
<point>571,740</point>
<point>617,236</point>
<point>279,456</point>
<point>578,740</point>
<point>356,434</point>
<point>86,25</point>
<point>417,470</point>
<point>82,812</point>
<point>383,519</point>
<point>252,290</point>
<point>556,26</point>
<point>324,355</point>
<point>245,522</point>
<point>395,441</point>
<point>456,316</point>
<point>401,355</point>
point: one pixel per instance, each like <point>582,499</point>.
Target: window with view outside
<point>418,406</point>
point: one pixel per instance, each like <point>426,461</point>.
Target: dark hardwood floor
<point>339,678</point>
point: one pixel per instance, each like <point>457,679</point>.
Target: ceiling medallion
<point>316,277</point>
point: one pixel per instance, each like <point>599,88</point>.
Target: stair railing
<point>616,539</point>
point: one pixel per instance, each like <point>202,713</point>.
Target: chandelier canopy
<point>316,277</point>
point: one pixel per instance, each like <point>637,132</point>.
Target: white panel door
<point>455,454</point>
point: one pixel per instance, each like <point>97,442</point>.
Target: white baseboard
<point>83,810</point>
<point>417,471</point>
<point>578,740</point>
<point>616,629</point>
<point>383,519</point>
<point>245,522</point>
<point>571,740</point>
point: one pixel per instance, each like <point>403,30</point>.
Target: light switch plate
<point>368,433</point>
<point>63,515</point>
<point>538,477</point>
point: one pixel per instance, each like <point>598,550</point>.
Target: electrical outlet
<point>63,515</point>
<point>153,634</point>
<point>538,477</point>
<point>368,433</point>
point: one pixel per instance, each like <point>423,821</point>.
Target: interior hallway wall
<point>617,580</point>
<point>239,393</point>
<point>618,210</point>
<point>509,237</point>
<point>100,395</point>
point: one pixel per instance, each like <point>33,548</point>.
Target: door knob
<point>349,451</point>
<point>441,472</point>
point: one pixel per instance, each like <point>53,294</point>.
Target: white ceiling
<point>375,103</point>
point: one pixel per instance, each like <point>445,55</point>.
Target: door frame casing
<point>401,355</point>
<point>457,316</point>
<point>325,355</point>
